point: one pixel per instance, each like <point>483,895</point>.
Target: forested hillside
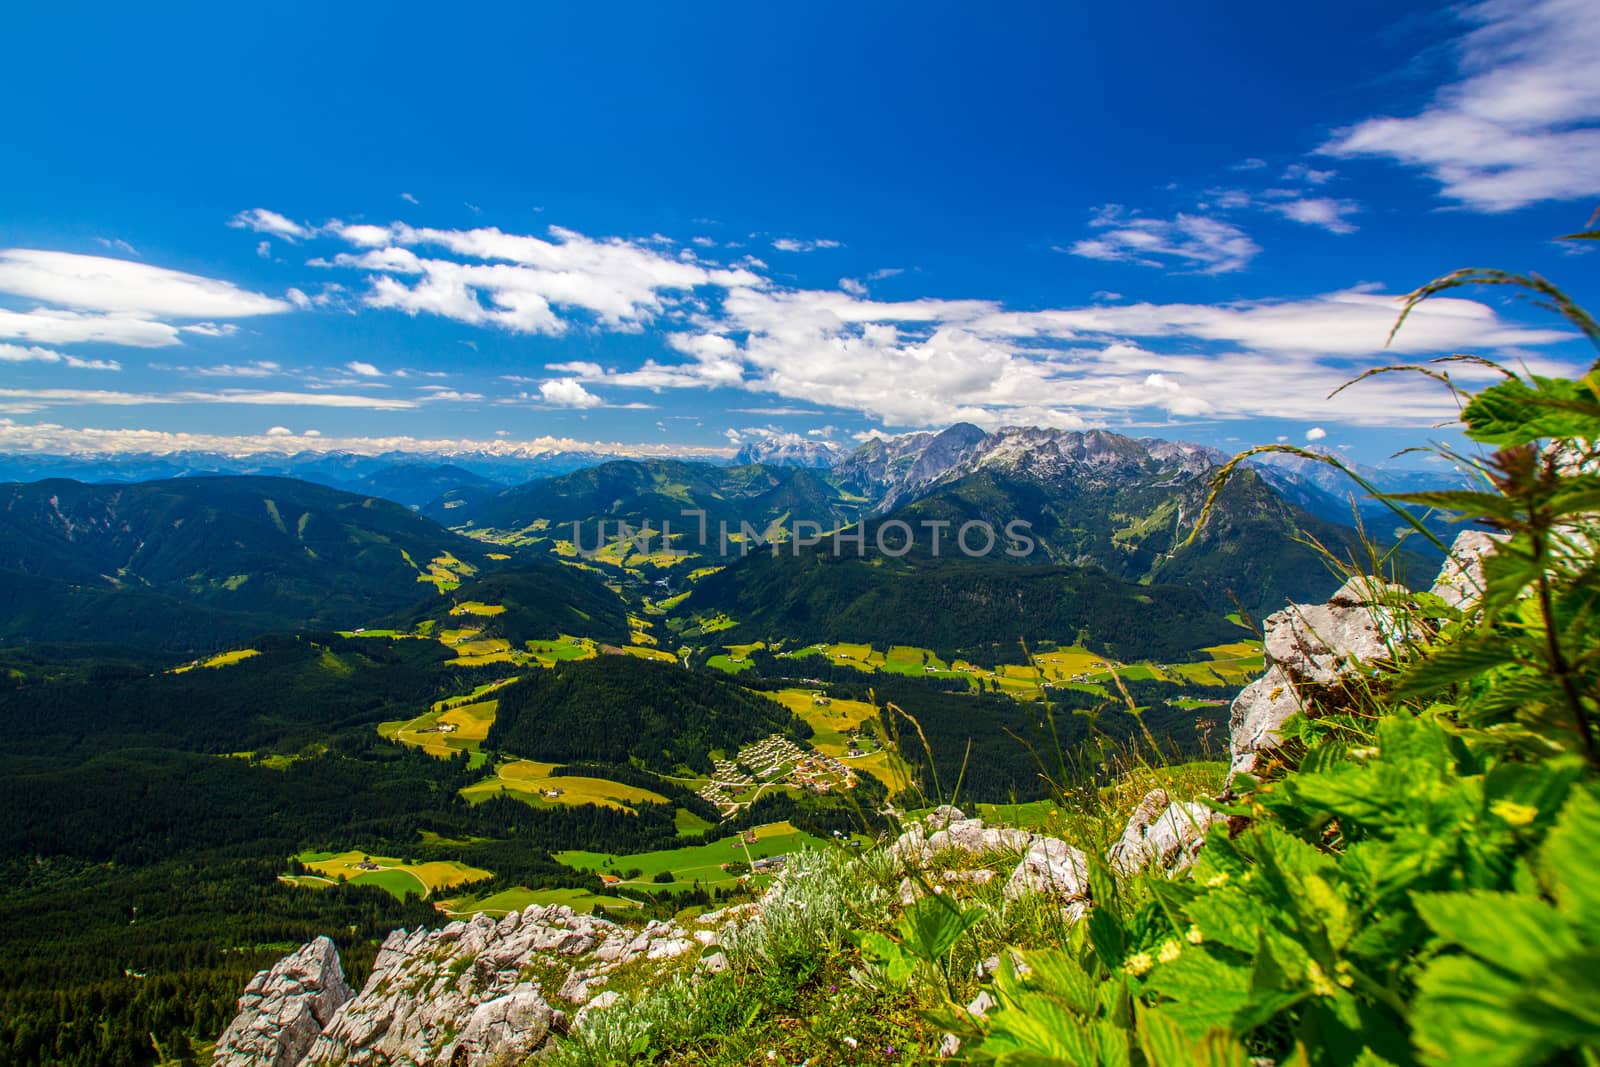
<point>286,552</point>
<point>618,709</point>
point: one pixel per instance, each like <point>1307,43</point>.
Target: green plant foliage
<point>1420,888</point>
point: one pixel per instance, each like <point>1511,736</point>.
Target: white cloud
<point>1323,211</point>
<point>1299,172</point>
<point>264,249</point>
<point>117,244</point>
<point>54,439</point>
<point>885,272</point>
<point>71,327</point>
<point>852,286</point>
<point>280,431</point>
<point>260,220</point>
<point>1316,433</point>
<point>33,354</point>
<point>568,393</point>
<point>1189,242</point>
<point>1519,124</point>
<point>524,283</point>
<point>581,368</point>
<point>260,368</point>
<point>37,399</point>
<point>408,198</point>
<point>438,392</point>
<point>792,244</point>
<point>364,370</point>
<point>120,286</point>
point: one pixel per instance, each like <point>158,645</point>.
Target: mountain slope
<point>654,491</point>
<point>287,552</point>
<point>540,601</point>
<point>617,709</point>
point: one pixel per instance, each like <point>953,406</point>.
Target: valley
<point>401,720</point>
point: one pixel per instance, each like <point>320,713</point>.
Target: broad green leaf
<point>1513,413</point>
<point>1057,974</point>
<point>932,926</point>
<point>1458,661</point>
<point>1521,934</point>
<point>1165,1044</point>
<point>1461,1016</point>
<point>1568,861</point>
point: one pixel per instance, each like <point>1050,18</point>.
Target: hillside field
<point>394,876</point>
<point>526,780</point>
<point>697,863</point>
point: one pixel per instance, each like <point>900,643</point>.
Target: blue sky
<point>682,229</point>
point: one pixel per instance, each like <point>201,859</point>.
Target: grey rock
<point>284,1008</point>
<point>943,816</point>
<point>1258,712</point>
<point>1460,581</point>
<point>1170,838</point>
<point>1050,866</point>
<point>599,1003</point>
<point>1309,646</point>
<point>501,1031</point>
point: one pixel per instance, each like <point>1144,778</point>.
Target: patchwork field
<point>394,876</point>
<point>509,900</point>
<point>444,572</point>
<point>549,653</point>
<point>444,731</point>
<point>221,659</point>
<point>699,863</point>
<point>529,780</point>
<point>1072,667</point>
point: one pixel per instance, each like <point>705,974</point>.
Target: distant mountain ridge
<point>267,552</point>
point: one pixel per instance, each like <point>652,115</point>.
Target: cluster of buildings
<point>774,759</point>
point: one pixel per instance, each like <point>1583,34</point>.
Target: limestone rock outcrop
<point>284,1008</point>
<point>1312,646</point>
<point>1460,581</point>
<point>1162,832</point>
<point>476,993</point>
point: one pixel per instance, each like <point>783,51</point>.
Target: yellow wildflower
<point>1170,950</point>
<point>1139,964</point>
<point>1514,813</point>
<point>1319,980</point>
<point>1194,935</point>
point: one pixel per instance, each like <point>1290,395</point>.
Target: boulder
<point>1310,646</point>
<point>970,835</point>
<point>1050,866</point>
<point>1460,581</point>
<point>501,1031</point>
<point>1169,836</point>
<point>1259,710</point>
<point>284,1008</point>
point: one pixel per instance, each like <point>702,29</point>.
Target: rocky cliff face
<point>476,993</point>
<point>1314,649</point>
<point>284,1009</point>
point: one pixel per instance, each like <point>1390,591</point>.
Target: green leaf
<point>1461,1016</point>
<point>1521,934</point>
<point>1458,661</point>
<point>1568,860</point>
<point>1058,975</point>
<point>1165,1044</point>
<point>931,927</point>
<point>1515,413</point>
